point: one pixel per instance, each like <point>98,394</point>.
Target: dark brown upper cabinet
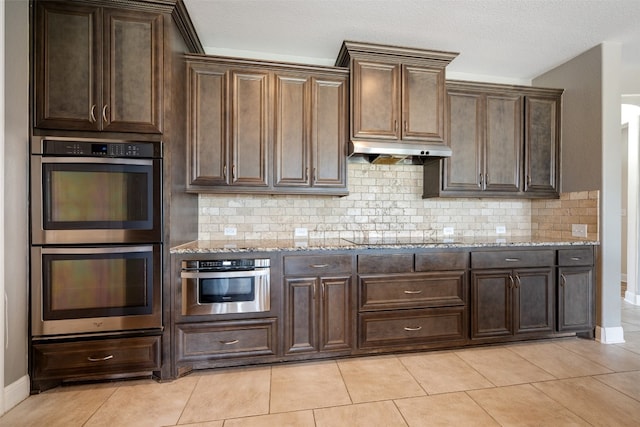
<point>310,135</point>
<point>396,93</point>
<point>505,142</point>
<point>98,69</point>
<point>261,127</point>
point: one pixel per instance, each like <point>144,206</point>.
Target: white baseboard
<point>614,335</point>
<point>16,392</point>
<point>632,298</point>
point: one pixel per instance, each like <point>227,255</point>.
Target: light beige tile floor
<point>558,382</point>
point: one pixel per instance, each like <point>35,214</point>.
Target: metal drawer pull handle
<point>563,280</point>
<point>416,328</point>
<point>576,258</point>
<point>230,342</point>
<point>319,265</point>
<point>104,114</point>
<point>92,114</point>
<point>412,292</point>
<point>99,359</point>
<point>512,259</point>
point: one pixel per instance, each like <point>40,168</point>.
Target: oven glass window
<point>97,285</point>
<point>227,289</point>
<point>98,196</point>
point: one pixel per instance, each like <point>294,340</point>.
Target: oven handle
<point>97,160</point>
<point>223,274</point>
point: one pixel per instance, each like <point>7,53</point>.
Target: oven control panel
<point>100,149</point>
<point>225,264</point>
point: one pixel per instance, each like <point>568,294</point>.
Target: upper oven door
<point>95,200</point>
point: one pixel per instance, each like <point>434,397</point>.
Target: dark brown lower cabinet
<point>576,291</point>
<point>200,345</point>
<point>93,359</point>
<point>317,314</point>
<point>575,298</point>
<point>412,327</point>
<point>317,304</point>
<point>506,303</point>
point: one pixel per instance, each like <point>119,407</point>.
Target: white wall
<point>591,160</point>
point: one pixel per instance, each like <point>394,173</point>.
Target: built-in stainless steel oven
<point>95,191</point>
<point>95,289</point>
<point>225,286</point>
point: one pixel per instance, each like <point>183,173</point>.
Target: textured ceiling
<point>507,40</point>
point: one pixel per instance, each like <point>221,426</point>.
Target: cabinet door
<point>249,127</point>
<point>503,143</point>
<point>335,314</point>
<point>300,315</point>
<point>207,132</point>
<point>376,100</point>
<point>491,303</point>
<point>132,84</point>
<point>534,300</point>
<point>293,156</point>
<point>422,104</point>
<point>68,69</point>
<point>329,131</point>
<point>542,141</point>
<point>463,170</point>
<point>575,299</point>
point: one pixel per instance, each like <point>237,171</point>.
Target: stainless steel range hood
<point>393,152</point>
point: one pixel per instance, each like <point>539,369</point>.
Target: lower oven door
<point>208,292</point>
<point>95,289</point>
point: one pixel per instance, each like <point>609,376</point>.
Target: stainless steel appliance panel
<point>76,290</point>
<point>224,289</point>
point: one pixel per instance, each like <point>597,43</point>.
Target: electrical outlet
<point>300,232</point>
<point>230,231</point>
<point>501,229</point>
<point>579,230</point>
<point>447,231</point>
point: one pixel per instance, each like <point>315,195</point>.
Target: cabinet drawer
<point>581,256</point>
<point>442,261</point>
<point>317,265</point>
<point>414,290</point>
<point>96,358</point>
<point>408,327</point>
<point>513,259</point>
<point>242,338</point>
<point>385,263</point>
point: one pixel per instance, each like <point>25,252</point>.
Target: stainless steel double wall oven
<point>96,236</point>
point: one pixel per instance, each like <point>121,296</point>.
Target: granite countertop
<point>231,246</point>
